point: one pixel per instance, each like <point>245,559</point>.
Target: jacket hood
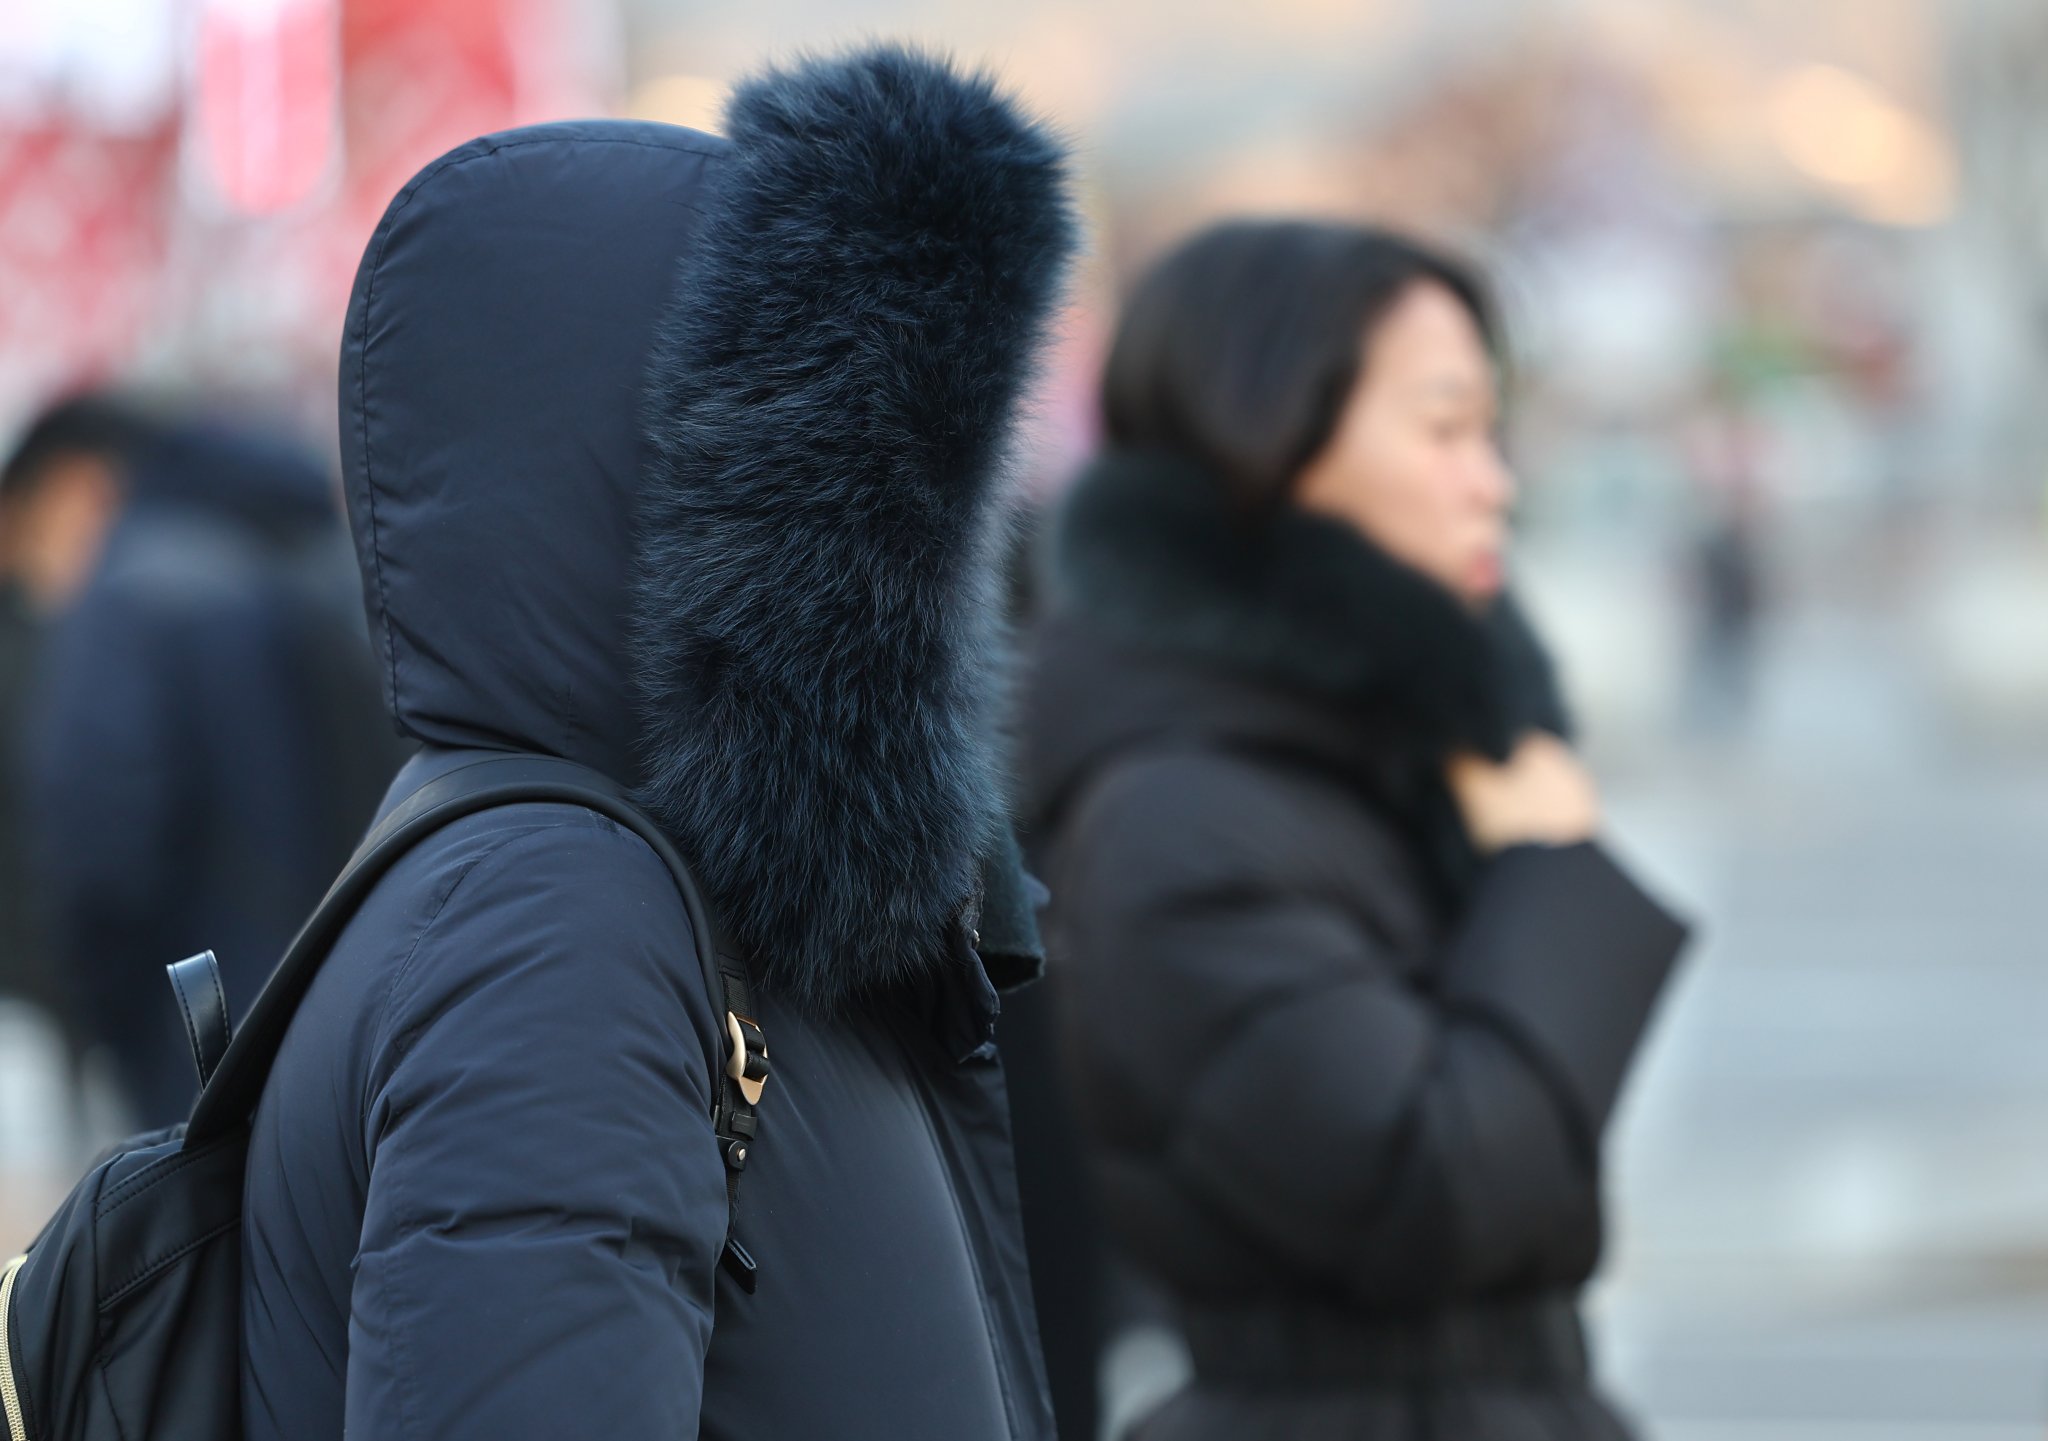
<point>679,456</point>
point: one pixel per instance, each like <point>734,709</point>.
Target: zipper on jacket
<point>10,1395</point>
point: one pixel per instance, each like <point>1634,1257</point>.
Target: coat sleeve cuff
<point>1563,951</point>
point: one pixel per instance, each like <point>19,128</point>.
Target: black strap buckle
<point>739,1264</point>
<point>739,1092</point>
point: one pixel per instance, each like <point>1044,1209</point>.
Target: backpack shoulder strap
<point>491,781</point>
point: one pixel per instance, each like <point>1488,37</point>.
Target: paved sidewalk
<point>1831,1175</point>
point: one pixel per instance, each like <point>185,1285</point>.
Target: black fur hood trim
<point>815,601</point>
<point>1149,549</point>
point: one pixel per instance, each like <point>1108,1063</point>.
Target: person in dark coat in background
<point>676,456</point>
<point>1350,985</point>
<point>205,741</point>
<point>59,491</point>
<point>25,972</point>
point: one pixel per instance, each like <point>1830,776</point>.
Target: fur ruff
<point>1149,548</point>
<point>815,592</point>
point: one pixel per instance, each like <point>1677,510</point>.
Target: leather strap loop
<point>204,1005</point>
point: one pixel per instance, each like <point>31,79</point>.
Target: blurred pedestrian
<point>675,457</point>
<point>1351,983</point>
<point>205,742</point>
<point>1723,448</point>
<point>59,490</point>
<point>1727,561</point>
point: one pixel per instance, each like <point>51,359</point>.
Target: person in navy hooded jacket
<point>677,456</point>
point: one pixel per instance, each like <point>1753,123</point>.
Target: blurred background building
<point>1777,279</point>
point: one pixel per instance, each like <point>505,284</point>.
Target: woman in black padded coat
<point>1351,984</point>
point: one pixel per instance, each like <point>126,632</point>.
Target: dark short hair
<point>95,425</point>
<point>1238,350</point>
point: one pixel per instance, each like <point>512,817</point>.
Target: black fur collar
<point>816,597</point>
<point>1150,550</point>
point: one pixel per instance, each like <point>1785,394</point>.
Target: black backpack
<point>123,1320</point>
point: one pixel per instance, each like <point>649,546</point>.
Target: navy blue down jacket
<point>677,456</point>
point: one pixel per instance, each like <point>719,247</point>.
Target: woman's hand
<point>1541,795</point>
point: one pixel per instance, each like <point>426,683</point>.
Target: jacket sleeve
<point>545,1203</point>
<point>1412,1134</point>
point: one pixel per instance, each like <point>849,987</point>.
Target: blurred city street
<point>1830,1182</point>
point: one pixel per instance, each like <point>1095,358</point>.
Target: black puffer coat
<point>1344,1082</point>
